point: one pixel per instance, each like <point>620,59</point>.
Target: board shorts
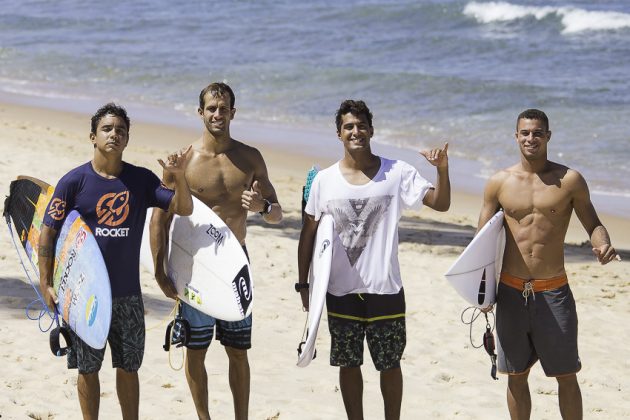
<point>236,334</point>
<point>379,319</point>
<point>543,326</point>
<point>126,339</point>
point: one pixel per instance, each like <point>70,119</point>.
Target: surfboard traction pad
<point>25,206</point>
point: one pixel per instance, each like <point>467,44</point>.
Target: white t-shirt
<point>366,221</point>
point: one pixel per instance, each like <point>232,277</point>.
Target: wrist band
<point>300,286</point>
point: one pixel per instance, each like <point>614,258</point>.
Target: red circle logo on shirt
<point>57,209</point>
<point>112,209</point>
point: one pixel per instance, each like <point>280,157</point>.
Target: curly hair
<point>110,109</point>
<point>356,108</point>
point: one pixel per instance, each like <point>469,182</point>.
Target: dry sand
<point>444,377</point>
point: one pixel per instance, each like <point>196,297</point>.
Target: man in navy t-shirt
<point>112,197</point>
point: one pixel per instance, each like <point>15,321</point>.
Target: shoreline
<point>467,175</point>
<point>286,153</point>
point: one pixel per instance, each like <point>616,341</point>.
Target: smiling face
<point>217,114</point>
<point>532,137</point>
<point>355,132</point>
<point>111,136</point>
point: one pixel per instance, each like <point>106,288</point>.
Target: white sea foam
<point>574,20</point>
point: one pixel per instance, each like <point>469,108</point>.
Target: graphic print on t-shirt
<point>57,209</point>
<point>112,209</point>
<point>356,221</point>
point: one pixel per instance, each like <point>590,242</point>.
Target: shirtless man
<point>231,178</point>
<point>536,316</point>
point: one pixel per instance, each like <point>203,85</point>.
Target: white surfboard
<point>206,263</point>
<point>319,275</point>
<point>475,273</point>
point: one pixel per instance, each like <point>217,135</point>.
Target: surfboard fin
<point>177,333</point>
<point>299,349</point>
<point>55,343</point>
<point>481,295</point>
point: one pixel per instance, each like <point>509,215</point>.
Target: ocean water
<point>430,70</point>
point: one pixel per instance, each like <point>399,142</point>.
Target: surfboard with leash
<point>319,276</point>
<point>206,263</point>
<point>475,272</point>
<point>80,275</point>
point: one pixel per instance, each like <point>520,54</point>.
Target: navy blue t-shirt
<point>115,209</point>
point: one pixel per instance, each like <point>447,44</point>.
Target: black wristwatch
<point>300,286</point>
<point>266,207</point>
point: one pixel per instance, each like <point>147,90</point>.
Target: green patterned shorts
<point>378,319</point>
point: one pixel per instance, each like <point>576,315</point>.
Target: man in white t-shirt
<point>366,194</point>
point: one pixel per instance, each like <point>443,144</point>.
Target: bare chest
<point>524,197</point>
<point>218,179</point>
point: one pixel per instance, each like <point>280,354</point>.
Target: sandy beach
<point>444,377</point>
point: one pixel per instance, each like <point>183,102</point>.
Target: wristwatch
<point>300,286</point>
<point>266,207</point>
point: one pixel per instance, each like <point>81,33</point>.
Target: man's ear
<point>548,135</point>
<point>200,111</point>
<point>93,139</point>
<point>232,112</point>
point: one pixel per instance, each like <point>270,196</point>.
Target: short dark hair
<point>110,109</point>
<point>533,114</point>
<point>217,89</point>
<point>356,108</point>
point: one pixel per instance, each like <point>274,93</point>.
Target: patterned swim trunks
<point>378,319</point>
<point>126,339</point>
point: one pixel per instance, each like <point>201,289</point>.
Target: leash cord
<point>32,307</point>
<point>170,340</point>
<point>476,313</point>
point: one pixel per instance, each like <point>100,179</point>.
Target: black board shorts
<point>544,327</point>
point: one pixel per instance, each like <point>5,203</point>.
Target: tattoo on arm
<point>46,251</point>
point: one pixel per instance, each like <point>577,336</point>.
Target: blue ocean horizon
<point>431,71</point>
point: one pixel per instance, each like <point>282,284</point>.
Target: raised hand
<point>177,162</point>
<point>252,199</point>
<point>437,157</point>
